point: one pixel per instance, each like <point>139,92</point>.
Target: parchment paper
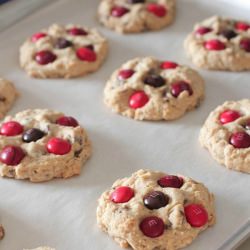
<point>61,213</point>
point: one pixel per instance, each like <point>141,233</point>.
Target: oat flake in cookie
<point>154,210</point>
<point>220,43</point>
<point>149,89</point>
<point>63,51</point>
<point>133,16</point>
<point>8,95</point>
<point>226,135</point>
<point>40,144</point>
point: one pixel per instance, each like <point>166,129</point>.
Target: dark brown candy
<point>229,34</point>
<point>155,81</point>
<point>63,43</point>
<point>32,134</point>
<point>135,1</point>
<point>155,200</point>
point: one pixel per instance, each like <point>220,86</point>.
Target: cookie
<point>8,95</point>
<point>220,43</point>
<point>42,248</point>
<point>63,51</point>
<point>40,144</point>
<point>226,135</point>
<point>149,89</point>
<point>133,16</point>
<point>1,232</point>
<point>153,210</point>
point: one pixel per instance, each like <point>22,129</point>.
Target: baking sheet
<point>61,213</point>
<point>14,11</point>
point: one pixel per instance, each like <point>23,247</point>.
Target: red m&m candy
<point>245,44</point>
<point>44,57</point>
<point>11,128</point>
<point>157,9</point>
<point>203,30</point>
<point>122,194</point>
<point>86,54</point>
<point>11,155</point>
<point>125,74</point>
<point>242,26</point>
<point>119,11</point>
<point>172,181</point>
<point>229,116</point>
<point>196,215</point>
<point>58,146</point>
<point>178,87</point>
<point>37,36</point>
<point>67,121</point>
<point>169,65</point>
<point>240,140</point>
<point>152,226</point>
<point>77,32</point>
<point>214,44</point>
<point>138,99</point>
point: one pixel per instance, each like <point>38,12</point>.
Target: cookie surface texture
<point>133,16</point>
<point>149,89</point>
<point>153,210</point>
<point>63,52</point>
<point>226,135</point>
<point>220,43</point>
<point>40,144</point>
<point>8,95</point>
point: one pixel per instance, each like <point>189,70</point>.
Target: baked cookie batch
<point>149,210</point>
